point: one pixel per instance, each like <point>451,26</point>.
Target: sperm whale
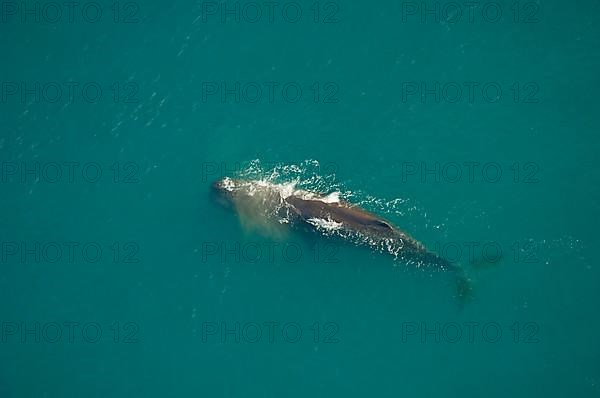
<point>329,214</point>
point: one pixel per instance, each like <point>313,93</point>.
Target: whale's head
<point>258,204</point>
<point>224,191</point>
<point>228,191</point>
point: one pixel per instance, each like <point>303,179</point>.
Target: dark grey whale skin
<point>356,219</point>
<point>353,219</point>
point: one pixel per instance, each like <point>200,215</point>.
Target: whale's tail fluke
<point>464,283</point>
<point>464,292</point>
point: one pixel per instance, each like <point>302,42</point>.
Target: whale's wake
<point>265,205</point>
<point>271,200</point>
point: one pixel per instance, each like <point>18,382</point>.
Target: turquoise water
<point>170,278</point>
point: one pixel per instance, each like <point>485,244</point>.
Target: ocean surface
<point>474,128</point>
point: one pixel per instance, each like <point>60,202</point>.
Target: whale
<point>330,216</point>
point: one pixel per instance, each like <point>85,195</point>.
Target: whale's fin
<point>383,224</point>
<point>464,285</point>
<point>464,288</point>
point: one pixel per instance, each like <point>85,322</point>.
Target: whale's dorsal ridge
<point>383,224</point>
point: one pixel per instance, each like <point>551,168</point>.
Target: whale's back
<point>353,218</point>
